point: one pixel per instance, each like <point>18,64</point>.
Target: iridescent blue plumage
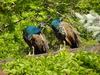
<point>56,22</point>
<point>31,30</point>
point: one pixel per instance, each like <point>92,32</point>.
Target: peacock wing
<point>39,43</point>
<point>69,32</point>
<point>45,42</point>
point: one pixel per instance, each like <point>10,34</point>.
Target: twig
<point>49,53</point>
<point>6,60</point>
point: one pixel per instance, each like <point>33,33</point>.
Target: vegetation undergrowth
<point>15,15</point>
<point>63,63</point>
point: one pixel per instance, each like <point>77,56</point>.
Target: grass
<point>63,63</point>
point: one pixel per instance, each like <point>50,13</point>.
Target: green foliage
<point>80,63</point>
<point>15,15</point>
<point>88,5</point>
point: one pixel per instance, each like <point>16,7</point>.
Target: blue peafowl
<point>65,33</point>
<point>35,39</point>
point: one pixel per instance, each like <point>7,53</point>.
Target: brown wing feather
<point>40,44</point>
<point>71,35</point>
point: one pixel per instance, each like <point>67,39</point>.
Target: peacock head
<point>56,22</point>
<point>30,30</point>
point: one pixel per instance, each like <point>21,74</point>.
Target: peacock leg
<point>29,54</point>
<point>33,49</point>
<point>64,44</point>
<point>61,46</point>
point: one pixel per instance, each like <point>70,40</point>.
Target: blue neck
<point>31,30</point>
<point>55,22</point>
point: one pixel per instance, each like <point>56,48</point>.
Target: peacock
<point>35,39</point>
<point>65,33</point>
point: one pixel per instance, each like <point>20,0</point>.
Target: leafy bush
<point>91,23</point>
<point>80,63</point>
<point>17,14</point>
<point>87,5</point>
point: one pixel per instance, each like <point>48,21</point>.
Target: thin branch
<point>6,60</point>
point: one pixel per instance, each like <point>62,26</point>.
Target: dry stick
<point>6,60</point>
<point>91,49</point>
<point>49,53</point>
<point>2,73</point>
<point>56,52</point>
